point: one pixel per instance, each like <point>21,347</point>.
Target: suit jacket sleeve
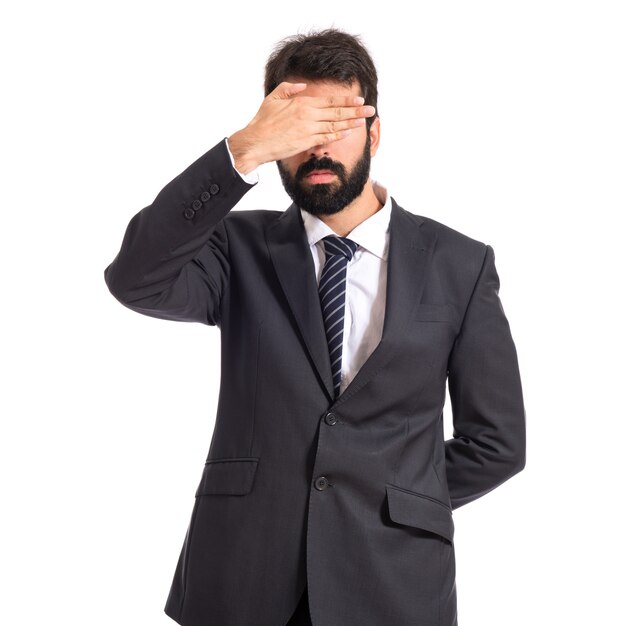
<point>173,262</point>
<point>489,436</point>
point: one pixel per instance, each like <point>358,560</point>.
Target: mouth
<point>320,176</point>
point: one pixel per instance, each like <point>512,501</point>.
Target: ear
<point>374,136</point>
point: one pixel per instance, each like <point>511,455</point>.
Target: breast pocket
<point>232,476</point>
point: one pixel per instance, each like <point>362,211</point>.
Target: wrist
<point>241,148</point>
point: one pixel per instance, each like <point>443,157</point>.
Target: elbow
<point>507,459</point>
<point>109,279</point>
<point>518,463</point>
<point>513,446</point>
<point>115,286</point>
<point>514,462</point>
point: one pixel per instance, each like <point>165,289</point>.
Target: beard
<point>327,198</point>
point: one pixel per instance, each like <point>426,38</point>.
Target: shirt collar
<point>371,233</point>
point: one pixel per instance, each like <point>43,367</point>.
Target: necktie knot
<point>336,245</point>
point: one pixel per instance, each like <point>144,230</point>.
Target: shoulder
<point>450,242</point>
<point>454,252</point>
<point>451,236</point>
<point>460,250</point>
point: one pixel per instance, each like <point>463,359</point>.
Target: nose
<point>319,150</point>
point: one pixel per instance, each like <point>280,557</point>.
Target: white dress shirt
<point>366,278</point>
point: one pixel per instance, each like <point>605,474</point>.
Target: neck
<point>344,222</point>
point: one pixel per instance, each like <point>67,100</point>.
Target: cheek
<point>288,166</point>
<point>294,162</point>
<point>350,148</point>
<point>351,144</point>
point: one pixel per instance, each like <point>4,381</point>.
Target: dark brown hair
<point>330,54</point>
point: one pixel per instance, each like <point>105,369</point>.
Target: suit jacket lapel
<point>410,253</point>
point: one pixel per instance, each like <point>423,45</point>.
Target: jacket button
<point>189,213</point>
<point>214,188</point>
<point>205,196</point>
<point>331,418</point>
<point>321,483</point>
<point>196,204</point>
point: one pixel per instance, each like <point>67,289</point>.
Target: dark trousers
<point>301,616</point>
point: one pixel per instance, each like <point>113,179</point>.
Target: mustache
<point>319,164</point>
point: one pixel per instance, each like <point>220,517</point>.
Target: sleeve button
<point>205,196</point>
<point>214,188</point>
<point>189,213</point>
<point>196,204</point>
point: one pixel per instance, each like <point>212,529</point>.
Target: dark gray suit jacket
<point>353,495</point>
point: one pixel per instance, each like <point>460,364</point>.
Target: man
<point>328,490</point>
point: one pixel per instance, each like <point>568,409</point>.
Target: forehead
<point>317,87</point>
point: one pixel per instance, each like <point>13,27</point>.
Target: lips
<point>320,176</point>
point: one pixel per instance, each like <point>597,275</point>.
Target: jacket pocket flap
<point>233,476</point>
<point>419,510</point>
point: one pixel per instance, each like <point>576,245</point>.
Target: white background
<point>504,120</point>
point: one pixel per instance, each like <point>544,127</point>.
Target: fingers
<point>335,100</point>
<point>330,108</point>
<point>334,127</point>
<point>333,122</point>
<point>336,108</point>
<point>326,132</point>
<point>325,138</point>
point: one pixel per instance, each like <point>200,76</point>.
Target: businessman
<point>328,491</point>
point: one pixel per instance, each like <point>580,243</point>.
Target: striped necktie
<point>332,289</point>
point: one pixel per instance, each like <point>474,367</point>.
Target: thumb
<point>286,89</point>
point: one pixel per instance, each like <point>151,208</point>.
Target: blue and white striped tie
<point>332,289</point>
